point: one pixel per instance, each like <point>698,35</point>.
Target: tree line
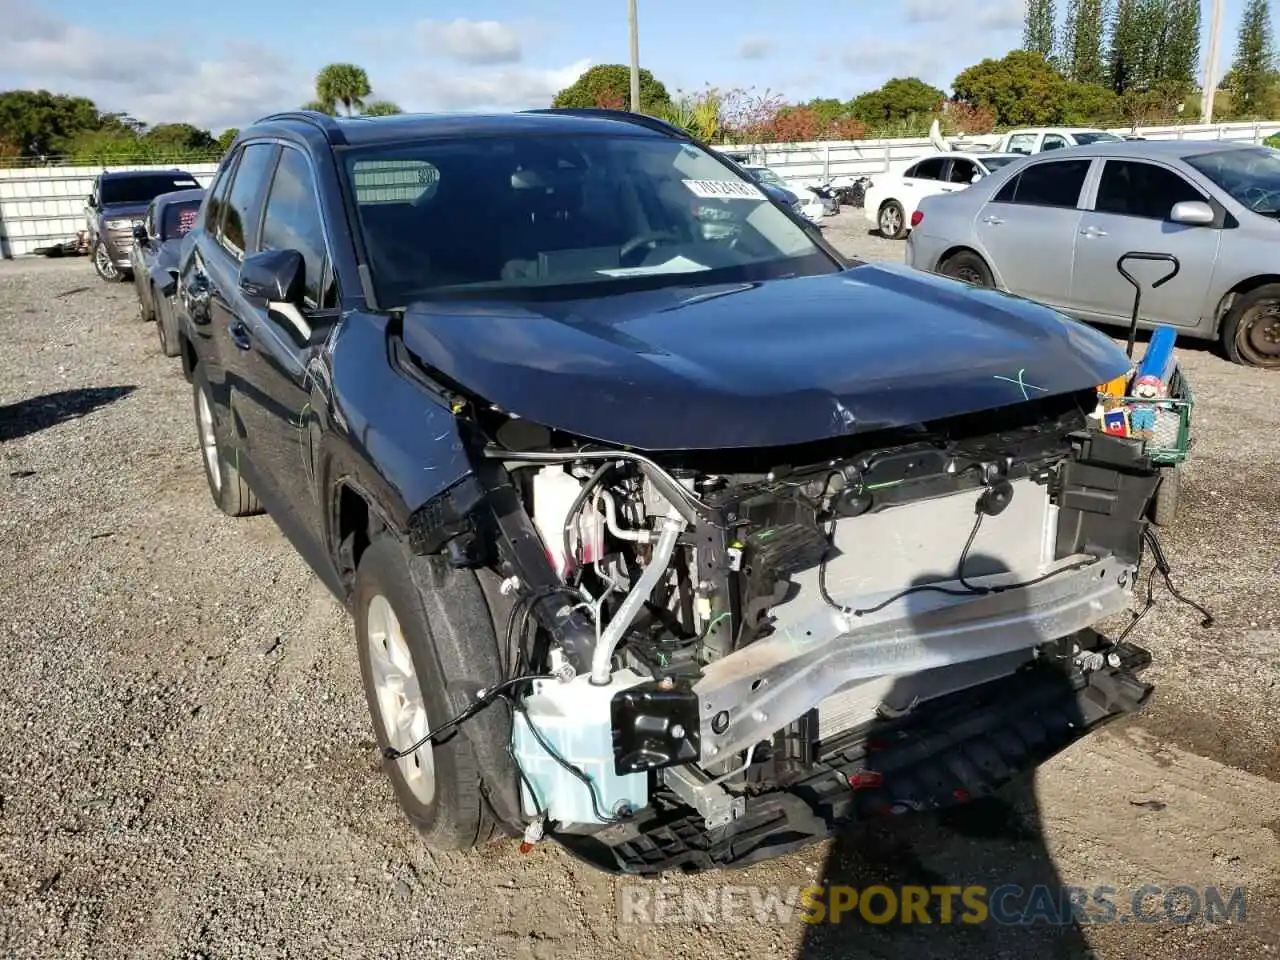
<point>40,125</point>
<point>1105,63</point>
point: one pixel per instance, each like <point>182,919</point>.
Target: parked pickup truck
<point>679,547</point>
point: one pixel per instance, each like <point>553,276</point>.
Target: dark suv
<point>665,531</point>
<point>118,204</point>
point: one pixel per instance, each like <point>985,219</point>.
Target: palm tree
<point>342,83</point>
<point>381,108</point>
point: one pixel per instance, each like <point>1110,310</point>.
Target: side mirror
<point>276,279</point>
<point>91,202</point>
<point>776,193</point>
<point>975,178</point>
<point>1195,213</point>
<point>140,233</point>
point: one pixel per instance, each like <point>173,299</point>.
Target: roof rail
<point>623,116</point>
<point>321,121</point>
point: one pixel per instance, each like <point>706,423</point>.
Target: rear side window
<point>292,222</point>
<point>930,169</point>
<point>178,219</point>
<point>1053,142</point>
<point>1022,143</point>
<point>244,203</point>
<point>1056,184</point>
<point>1135,189</point>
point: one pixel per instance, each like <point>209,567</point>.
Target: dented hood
<point>763,364</point>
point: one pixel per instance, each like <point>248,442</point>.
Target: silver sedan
<point>1052,228</point>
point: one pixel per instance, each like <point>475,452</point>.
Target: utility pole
<point>635,56</point>
<point>1211,65</point>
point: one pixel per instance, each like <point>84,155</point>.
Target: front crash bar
<point>747,696</point>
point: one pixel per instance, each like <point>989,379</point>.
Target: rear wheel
<point>407,608</point>
<point>147,313</point>
<point>1165,506</point>
<point>969,267</point>
<point>1251,331</point>
<point>226,485</point>
<point>892,220</point>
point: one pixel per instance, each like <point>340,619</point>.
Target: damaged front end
<point>750,646</point>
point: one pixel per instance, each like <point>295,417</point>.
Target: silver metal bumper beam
<point>748,695</point>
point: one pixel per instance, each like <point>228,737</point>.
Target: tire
<point>1251,331</point>
<point>969,267</point>
<point>147,314</point>
<point>892,220</point>
<point>226,485</point>
<point>1164,508</point>
<point>433,678</point>
<point>103,264</point>
<point>167,326</point>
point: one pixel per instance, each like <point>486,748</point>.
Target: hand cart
<point>1164,422</point>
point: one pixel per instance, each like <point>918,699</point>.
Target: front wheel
<point>1251,331</point>
<point>892,220</point>
<point>104,265</point>
<point>407,609</point>
<point>166,326</point>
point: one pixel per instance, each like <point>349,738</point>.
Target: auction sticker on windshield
<point>724,189</point>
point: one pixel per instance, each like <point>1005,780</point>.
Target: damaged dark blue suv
<point>667,532</point>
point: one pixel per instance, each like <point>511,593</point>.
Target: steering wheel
<point>650,238</point>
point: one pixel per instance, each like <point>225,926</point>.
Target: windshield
<point>142,188</point>
<point>765,175</point>
<point>1094,136</point>
<point>1250,176</point>
<point>995,163</point>
<point>178,219</point>
<point>508,216</point>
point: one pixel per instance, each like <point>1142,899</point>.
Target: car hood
<point>765,364</point>
<point>118,211</point>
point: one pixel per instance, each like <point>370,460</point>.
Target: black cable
<point>490,695</point>
<point>1160,565</point>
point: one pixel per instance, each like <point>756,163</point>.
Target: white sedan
<point>891,198</point>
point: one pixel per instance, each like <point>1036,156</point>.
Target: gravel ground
<point>188,771</point>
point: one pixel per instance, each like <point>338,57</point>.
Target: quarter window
<point>962,171</point>
<point>292,222</point>
<point>1135,189</point>
<point>244,203</point>
<point>1022,143</point>
<point>1053,142</point>
<point>1055,184</point>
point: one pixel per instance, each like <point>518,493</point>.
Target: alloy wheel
<point>208,438</point>
<point>399,694</point>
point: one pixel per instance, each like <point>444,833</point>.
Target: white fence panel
<point>40,206</point>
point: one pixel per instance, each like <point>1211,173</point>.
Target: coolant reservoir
<point>575,720</point>
<point>553,493</point>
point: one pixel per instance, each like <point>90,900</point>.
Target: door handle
<point>1092,232</point>
<point>993,220</point>
<point>239,334</point>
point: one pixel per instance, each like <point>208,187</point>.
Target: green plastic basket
<point>1170,438</point>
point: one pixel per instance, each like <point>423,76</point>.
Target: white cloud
<point>471,41</point>
<point>755,48</point>
<point>993,15</point>
<point>163,78</point>
<point>512,88</point>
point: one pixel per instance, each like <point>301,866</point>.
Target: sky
<point>226,63</point>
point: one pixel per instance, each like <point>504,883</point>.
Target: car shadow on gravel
<point>927,828</point>
<point>26,417</point>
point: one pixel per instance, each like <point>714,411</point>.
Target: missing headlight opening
<point>714,631</point>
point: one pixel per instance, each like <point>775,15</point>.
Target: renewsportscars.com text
<point>1006,905</point>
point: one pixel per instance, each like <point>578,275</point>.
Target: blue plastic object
<point>1158,360</point>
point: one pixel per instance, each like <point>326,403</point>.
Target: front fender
<point>385,435</point>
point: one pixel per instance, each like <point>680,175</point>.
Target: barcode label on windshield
<point>724,189</point>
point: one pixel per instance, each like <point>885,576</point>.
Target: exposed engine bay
<point>720,629</point>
